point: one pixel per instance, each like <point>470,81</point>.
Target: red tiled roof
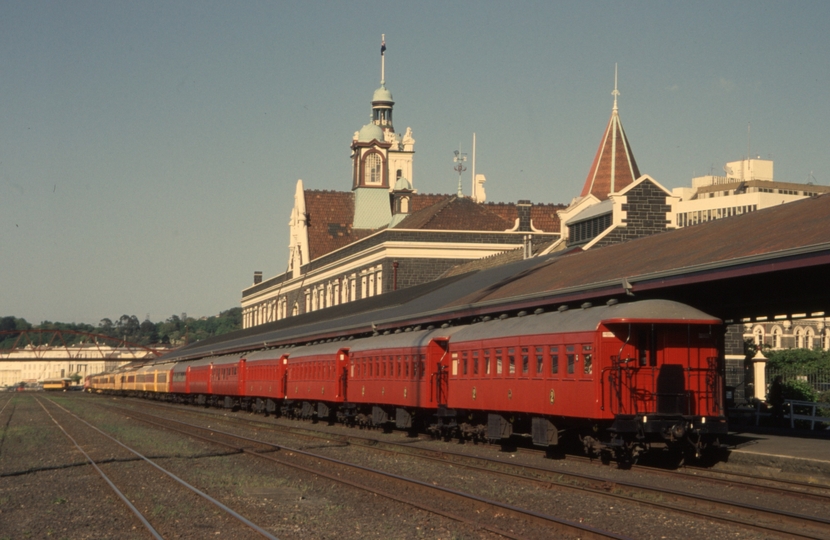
<point>419,201</point>
<point>542,216</point>
<point>456,214</point>
<point>614,166</point>
<point>330,218</point>
<point>331,215</point>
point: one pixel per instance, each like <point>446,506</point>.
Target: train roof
<point>358,317</point>
<point>268,354</point>
<point>319,348</point>
<point>585,320</point>
<point>401,340</point>
<point>215,360</point>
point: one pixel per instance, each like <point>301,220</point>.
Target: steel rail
<point>115,489</point>
<point>5,404</point>
<point>584,531</point>
<point>192,488</point>
<point>601,486</point>
<point>792,488</point>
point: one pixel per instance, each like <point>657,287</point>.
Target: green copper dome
<point>370,132</point>
<point>382,94</point>
<point>403,184</point>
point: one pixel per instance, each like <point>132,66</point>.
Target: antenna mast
<point>616,92</point>
<point>459,159</point>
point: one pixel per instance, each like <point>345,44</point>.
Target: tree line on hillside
<point>176,330</point>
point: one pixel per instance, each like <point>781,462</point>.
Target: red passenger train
<point>621,377</point>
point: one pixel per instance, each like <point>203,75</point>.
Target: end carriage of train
<point>620,379</point>
<point>56,385</point>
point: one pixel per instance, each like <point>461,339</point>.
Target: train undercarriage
<point>624,440</point>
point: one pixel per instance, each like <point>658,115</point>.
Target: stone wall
<point>646,214</point>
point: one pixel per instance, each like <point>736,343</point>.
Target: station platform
<point>777,452</point>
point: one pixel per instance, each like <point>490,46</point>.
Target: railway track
<point>142,517</point>
<point>761,518</point>
<point>469,509</point>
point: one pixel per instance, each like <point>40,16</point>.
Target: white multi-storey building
<point>747,186</point>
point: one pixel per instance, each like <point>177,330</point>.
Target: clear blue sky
<point>149,150</point>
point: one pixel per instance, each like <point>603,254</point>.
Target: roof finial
<point>382,59</point>
<point>616,92</point>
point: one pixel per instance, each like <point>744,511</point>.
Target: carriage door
<point>342,367</point>
<point>438,368</point>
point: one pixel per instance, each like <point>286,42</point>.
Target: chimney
<point>257,277</point>
<point>523,207</point>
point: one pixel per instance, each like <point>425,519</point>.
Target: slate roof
<point>699,246</point>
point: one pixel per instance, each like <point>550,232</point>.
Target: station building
<point>384,235</point>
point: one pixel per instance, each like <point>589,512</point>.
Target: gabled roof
<point>614,166</point>
<point>456,214</point>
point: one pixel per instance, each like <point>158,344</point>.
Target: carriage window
<point>511,356</point>
<point>525,361</point>
<point>647,346</point>
<point>406,367</point>
<point>464,363</point>
<point>422,371</point>
<point>572,358</point>
<point>540,360</point>
<point>587,360</point>
<point>399,367</point>
<point>487,362</point>
<point>498,361</point>
<point>475,362</point>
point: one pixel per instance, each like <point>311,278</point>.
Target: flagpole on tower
<point>382,58</point>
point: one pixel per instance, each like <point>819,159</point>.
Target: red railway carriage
<point>215,378</point>
<point>396,374</point>
<point>265,378</point>
<point>316,377</point>
<point>228,379</point>
<point>640,372</point>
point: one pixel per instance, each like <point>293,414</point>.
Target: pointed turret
<point>614,166</point>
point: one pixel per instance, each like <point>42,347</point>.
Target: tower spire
<point>614,166</point>
<point>382,59</point>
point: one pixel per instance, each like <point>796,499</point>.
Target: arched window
<point>776,337</point>
<point>799,338</point>
<point>373,174</point>
<point>758,336</point>
<point>809,338</point>
<point>825,339</point>
<point>296,309</point>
